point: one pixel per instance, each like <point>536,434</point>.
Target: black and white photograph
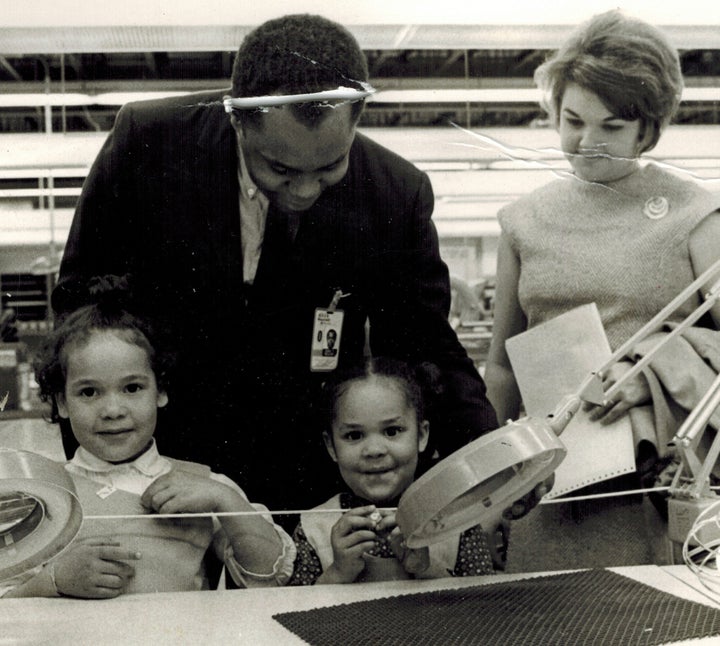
<point>367,323</point>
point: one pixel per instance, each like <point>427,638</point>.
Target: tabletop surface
<point>245,616</point>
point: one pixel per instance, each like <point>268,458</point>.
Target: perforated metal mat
<point>592,607</point>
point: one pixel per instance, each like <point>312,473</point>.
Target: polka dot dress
<point>474,556</point>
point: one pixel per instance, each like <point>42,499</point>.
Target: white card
<point>550,361</point>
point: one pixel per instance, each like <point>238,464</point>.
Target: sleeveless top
<point>172,552</point>
<point>623,245</point>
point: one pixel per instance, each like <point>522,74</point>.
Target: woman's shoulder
<point>685,199</point>
<point>676,184</point>
<point>524,207</point>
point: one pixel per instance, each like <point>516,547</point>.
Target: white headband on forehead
<point>272,100</point>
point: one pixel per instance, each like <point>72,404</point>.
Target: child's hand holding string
<point>351,537</point>
<point>256,545</point>
<point>414,561</point>
<point>179,492</point>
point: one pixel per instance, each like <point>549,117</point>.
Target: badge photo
<point>325,349</point>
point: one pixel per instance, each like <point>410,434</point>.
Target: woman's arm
<point>704,251</point>
<point>508,320</point>
<point>704,247</point>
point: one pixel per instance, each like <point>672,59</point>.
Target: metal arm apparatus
<point>692,479</point>
<point>474,484</point>
<point>592,390</point>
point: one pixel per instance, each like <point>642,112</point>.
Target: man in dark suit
<point>240,229</point>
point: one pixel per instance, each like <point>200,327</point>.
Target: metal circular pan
<point>20,515</point>
<point>476,483</point>
<point>51,524</point>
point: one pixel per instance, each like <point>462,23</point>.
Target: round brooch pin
<point>656,208</point>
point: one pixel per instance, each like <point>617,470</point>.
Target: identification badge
<point>327,330</point>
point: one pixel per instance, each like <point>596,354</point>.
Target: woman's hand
<point>632,393</point>
<point>94,569</point>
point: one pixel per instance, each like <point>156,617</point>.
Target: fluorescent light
<point>475,95</point>
<point>56,100</point>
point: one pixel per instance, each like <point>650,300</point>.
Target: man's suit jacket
<point>161,202</point>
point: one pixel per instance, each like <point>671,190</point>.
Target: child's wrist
<point>229,501</point>
<point>50,569</point>
<point>333,574</point>
<point>348,574</point>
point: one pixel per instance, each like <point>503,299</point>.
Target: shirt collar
<point>150,463</point>
<point>247,186</point>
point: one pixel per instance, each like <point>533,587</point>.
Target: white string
<point>220,514</point>
<point>289,512</point>
<point>610,494</point>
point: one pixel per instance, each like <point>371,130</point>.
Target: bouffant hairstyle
<point>629,64</point>
<point>297,54</point>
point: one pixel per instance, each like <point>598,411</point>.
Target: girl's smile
<point>376,439</point>
<point>111,396</point>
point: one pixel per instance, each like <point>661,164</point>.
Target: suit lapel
<point>219,197</point>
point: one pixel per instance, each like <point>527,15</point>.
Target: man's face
<point>293,164</point>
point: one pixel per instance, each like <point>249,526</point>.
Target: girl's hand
<point>384,521</point>
<point>632,393</point>
<point>94,569</point>
<point>180,492</point>
<point>256,545</point>
<point>351,537</point>
<point>414,561</point>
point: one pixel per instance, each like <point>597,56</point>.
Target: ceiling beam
<point>63,39</point>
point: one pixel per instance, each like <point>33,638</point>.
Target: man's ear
<point>423,435</point>
<point>329,445</point>
<point>61,405</point>
<point>162,399</point>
